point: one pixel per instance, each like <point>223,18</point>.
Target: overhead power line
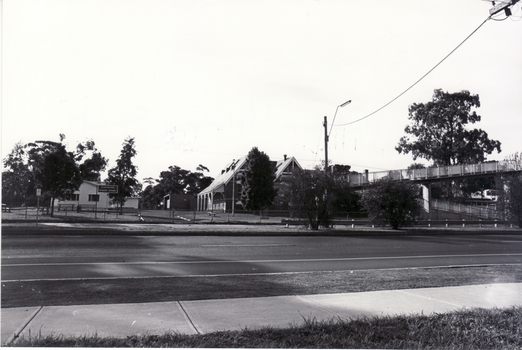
<point>424,76</point>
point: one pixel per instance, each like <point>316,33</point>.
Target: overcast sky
<point>202,82</point>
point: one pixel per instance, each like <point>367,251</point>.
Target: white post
<point>96,202</point>
<point>233,191</point>
<point>38,194</point>
<point>37,208</point>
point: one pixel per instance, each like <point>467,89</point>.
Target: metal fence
<point>469,210</point>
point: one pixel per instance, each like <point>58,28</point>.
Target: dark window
<point>73,197</point>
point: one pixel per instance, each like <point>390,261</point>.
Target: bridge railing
<point>471,210</point>
<point>433,172</point>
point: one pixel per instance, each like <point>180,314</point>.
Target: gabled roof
<point>226,175</point>
<point>237,165</point>
<point>282,166</point>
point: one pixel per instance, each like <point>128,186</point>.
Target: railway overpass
<point>432,174</point>
<point>429,175</point>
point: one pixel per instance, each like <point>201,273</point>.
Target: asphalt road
<point>52,257</point>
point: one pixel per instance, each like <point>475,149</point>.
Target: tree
<point>49,166</point>
<point>392,202</point>
<point>17,180</point>
<point>202,168</point>
<point>52,168</point>
<point>341,169</point>
<point>202,181</point>
<point>513,199</point>
<point>257,190</point>
<point>414,166</point>
<point>342,198</point>
<point>60,174</point>
<point>174,181</point>
<point>124,174</point>
<point>91,167</point>
<point>308,196</point>
<point>439,130</point>
<point>37,152</point>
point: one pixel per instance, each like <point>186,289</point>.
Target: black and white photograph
<point>261,174</point>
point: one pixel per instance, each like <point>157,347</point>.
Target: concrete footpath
<point>205,316</point>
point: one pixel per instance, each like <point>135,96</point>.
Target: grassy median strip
<point>469,329</point>
<point>139,290</point>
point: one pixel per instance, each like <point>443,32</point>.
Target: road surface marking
<point>262,261</point>
<point>249,245</point>
<point>254,274</point>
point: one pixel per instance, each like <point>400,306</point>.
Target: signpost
<point>103,188</point>
<point>38,194</point>
<point>108,188</point>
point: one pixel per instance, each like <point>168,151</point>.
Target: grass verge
<point>139,290</point>
<point>470,329</point>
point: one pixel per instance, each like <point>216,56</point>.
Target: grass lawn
<point>136,290</point>
<point>470,329</point>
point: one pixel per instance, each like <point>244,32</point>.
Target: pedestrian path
<point>205,316</point>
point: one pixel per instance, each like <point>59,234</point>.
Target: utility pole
<point>325,124</point>
<point>233,191</point>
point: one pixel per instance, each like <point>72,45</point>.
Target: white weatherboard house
<point>90,197</point>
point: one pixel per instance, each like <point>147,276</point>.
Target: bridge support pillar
<point>429,199</point>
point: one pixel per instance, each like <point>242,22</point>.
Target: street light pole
<point>326,134</point>
<point>325,124</point>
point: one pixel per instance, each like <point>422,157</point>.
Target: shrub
<point>513,199</point>
<point>392,202</point>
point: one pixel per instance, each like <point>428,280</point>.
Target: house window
<point>73,197</point>
<point>94,198</point>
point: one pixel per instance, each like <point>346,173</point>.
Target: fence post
<point>480,223</point>
<point>353,223</point>
<point>446,222</point>
<point>496,223</point>
<point>463,223</point>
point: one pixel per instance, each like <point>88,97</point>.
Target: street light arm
<point>346,103</point>
<point>341,105</point>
